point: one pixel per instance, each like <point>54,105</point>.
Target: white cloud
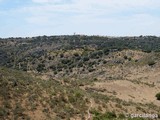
<point>103,16</point>
<point>99,7</point>
<point>112,17</point>
<point>91,9</point>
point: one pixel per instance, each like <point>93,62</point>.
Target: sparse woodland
<point>79,77</point>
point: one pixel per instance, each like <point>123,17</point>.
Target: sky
<point>27,18</point>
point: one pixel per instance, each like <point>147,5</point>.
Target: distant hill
<point>38,53</point>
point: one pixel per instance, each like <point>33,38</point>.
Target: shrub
<point>3,112</point>
<point>109,115</point>
<point>65,61</point>
<point>40,67</point>
<point>125,57</point>
<point>151,63</point>
<point>136,60</point>
<point>106,51</point>
<point>86,59</point>
<point>76,54</point>
<point>61,55</point>
<point>91,69</point>
<point>104,62</point>
<point>122,116</point>
<point>99,53</point>
<point>158,96</point>
<point>105,116</point>
<point>129,59</point>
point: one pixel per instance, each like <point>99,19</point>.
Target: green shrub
<point>129,59</point>
<point>65,61</point>
<point>106,51</point>
<point>91,69</point>
<point>109,115</point>
<point>3,112</point>
<point>151,63</point>
<point>105,116</point>
<point>76,54</point>
<point>86,58</point>
<point>121,116</point>
<point>125,57</point>
<point>40,67</point>
<point>158,96</point>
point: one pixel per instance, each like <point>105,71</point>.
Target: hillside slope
<point>79,77</point>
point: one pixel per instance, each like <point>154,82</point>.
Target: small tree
<point>158,96</point>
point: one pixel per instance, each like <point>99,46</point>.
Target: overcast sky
<point>90,17</point>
